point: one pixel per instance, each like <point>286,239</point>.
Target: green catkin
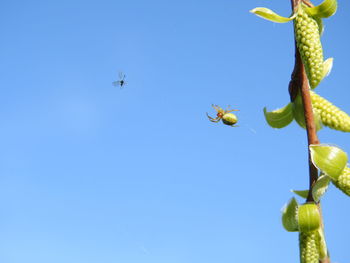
<point>307,35</point>
<point>331,116</point>
<point>343,181</point>
<point>309,247</point>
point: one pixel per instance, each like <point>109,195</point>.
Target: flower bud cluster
<point>309,247</point>
<point>331,115</point>
<point>343,181</point>
<point>307,35</point>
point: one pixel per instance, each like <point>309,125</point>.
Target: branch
<point>299,83</point>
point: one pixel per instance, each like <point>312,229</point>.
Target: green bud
<point>331,115</point>
<point>309,247</point>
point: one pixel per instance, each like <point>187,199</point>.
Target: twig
<point>299,83</point>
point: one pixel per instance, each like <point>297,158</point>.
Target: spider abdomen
<point>229,119</point>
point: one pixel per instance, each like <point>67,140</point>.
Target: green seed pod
<point>343,181</point>
<point>309,247</point>
<point>309,218</point>
<point>307,35</point>
<point>331,115</point>
<point>229,119</point>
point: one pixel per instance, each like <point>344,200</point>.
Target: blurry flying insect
<point>226,116</point>
<point>121,82</point>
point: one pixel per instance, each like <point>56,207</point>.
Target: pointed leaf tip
<point>327,67</point>
<point>301,193</point>
<point>268,14</point>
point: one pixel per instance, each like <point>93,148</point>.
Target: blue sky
<point>93,173</point>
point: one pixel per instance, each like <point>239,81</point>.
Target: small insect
<point>226,116</point>
<point>121,82</point>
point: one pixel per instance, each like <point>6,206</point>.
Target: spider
<point>121,82</point>
<point>226,116</point>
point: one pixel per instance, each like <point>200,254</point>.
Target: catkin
<point>331,115</point>
<point>307,35</point>
<point>309,247</point>
<point>343,181</point>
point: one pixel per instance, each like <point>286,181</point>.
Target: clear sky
<point>92,173</point>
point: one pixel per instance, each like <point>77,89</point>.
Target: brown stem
<point>299,85</point>
<point>309,122</point>
<point>295,3</point>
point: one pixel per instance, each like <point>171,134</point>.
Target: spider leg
<point>216,107</point>
<point>217,119</point>
<point>227,111</point>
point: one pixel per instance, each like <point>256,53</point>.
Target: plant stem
<point>299,83</point>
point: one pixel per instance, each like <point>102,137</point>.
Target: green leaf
<point>290,215</point>
<point>320,187</point>
<point>326,9</point>
<point>309,218</point>
<point>323,251</point>
<point>320,25</point>
<point>329,159</point>
<point>327,67</point>
<point>317,120</point>
<point>298,112</point>
<point>279,118</point>
<point>270,15</point>
<point>301,193</point>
